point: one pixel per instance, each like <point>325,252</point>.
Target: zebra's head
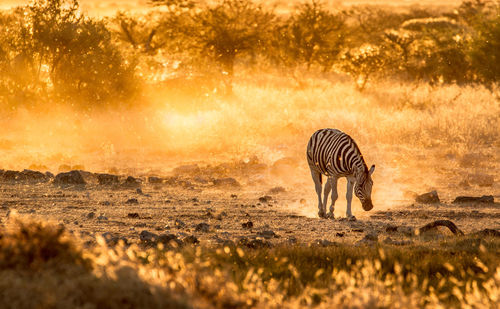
<point>363,188</point>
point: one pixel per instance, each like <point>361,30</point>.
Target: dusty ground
<point>290,213</point>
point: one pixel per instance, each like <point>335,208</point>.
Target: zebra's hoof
<point>351,218</point>
<point>321,214</point>
<point>329,216</point>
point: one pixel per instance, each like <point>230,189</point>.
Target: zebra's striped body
<point>333,153</point>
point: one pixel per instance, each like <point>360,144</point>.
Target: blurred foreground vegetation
<point>45,262</point>
<point>50,50</point>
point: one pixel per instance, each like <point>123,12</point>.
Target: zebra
<point>335,154</point>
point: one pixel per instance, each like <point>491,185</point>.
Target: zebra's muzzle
<point>367,205</point>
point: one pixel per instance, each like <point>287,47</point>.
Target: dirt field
<point>232,209</point>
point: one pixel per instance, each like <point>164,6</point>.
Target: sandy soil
<point>290,213</point>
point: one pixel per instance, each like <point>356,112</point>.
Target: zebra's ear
<point>371,169</point>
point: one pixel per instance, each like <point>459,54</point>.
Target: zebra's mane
<point>365,167</point>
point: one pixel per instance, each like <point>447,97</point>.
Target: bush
<point>53,47</point>
<point>312,35</point>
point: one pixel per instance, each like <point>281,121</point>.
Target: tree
<point>313,35</point>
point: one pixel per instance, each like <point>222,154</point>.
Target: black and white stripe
<point>333,153</point>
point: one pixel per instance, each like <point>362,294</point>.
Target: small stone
<point>179,224</point>
<point>226,182</point>
<point>131,182</point>
<point>107,179</point>
<point>133,215</point>
<point>234,196</point>
<point>247,225</point>
<point>340,234</point>
<point>105,203</point>
<point>202,227</point>
<point>169,240</point>
<point>147,236</point>
<point>102,217</point>
<point>428,198</point>
<point>132,201</point>
<point>69,178</point>
<point>276,190</point>
<point>473,199</point>
<point>267,234</point>
<point>91,215</point>
<point>265,199</point>
<point>155,180</point>
<point>192,240</point>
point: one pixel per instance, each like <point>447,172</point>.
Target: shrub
<point>312,35</point>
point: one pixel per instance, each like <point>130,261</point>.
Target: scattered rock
<point>247,225</point>
<point>112,240</point>
<point>340,234</point>
<point>179,224</point>
<point>133,215</point>
<point>234,196</point>
<point>277,190</point>
<point>49,175</point>
<point>226,182</point>
<point>390,241</point>
<point>107,179</point>
<point>265,199</point>
<point>105,203</point>
<point>155,180</point>
<point>482,180</point>
<point>324,242</point>
<point>267,234</point>
<point>391,228</point>
<point>428,198</point>
<point>254,243</point>
<point>489,232</point>
<point>191,240</point>
<point>369,239</point>
<point>474,199</point>
<point>202,227</point>
<point>169,240</point>
<point>69,178</point>
<point>131,182</point>
<point>292,240</point>
<point>91,215</point>
<point>148,237</point>
<point>132,201</point>
<point>102,217</point>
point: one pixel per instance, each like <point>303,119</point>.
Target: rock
<point>179,224</point>
<point>107,179</point>
<point>474,199</point>
<point>91,215</point>
<point>102,217</point>
<point>191,240</point>
<point>202,227</point>
<point>34,176</point>
<point>133,215</point>
<point>105,203</point>
<point>49,175</point>
<point>340,234</point>
<point>390,241</point>
<point>292,240</point>
<point>489,232</point>
<point>267,234</point>
<point>146,236</point>
<point>247,225</point>
<point>226,182</point>
<point>482,180</point>
<point>234,196</point>
<point>265,199</point>
<point>132,201</point>
<point>169,240</point>
<point>187,169</point>
<point>276,190</point>
<point>131,182</point>
<point>324,242</point>
<point>391,228</point>
<point>428,198</point>
<point>69,178</point>
<point>254,243</point>
<point>112,240</point>
<point>155,180</point>
<point>369,239</point>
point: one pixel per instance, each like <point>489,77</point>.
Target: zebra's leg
<point>328,187</point>
<point>333,184</point>
<point>348,196</point>
<point>316,176</point>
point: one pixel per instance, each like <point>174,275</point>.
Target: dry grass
<point>461,271</point>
